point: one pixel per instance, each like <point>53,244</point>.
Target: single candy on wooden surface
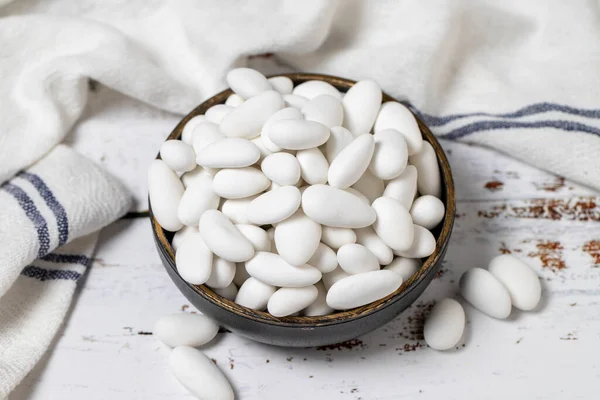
<point>228,153</point>
<point>197,198</point>
<point>337,237</point>
<point>234,100</point>
<point>360,289</point>
<point>223,238</point>
<point>445,325</point>
<point>340,138</point>
<point>230,292</point>
<point>237,183</point>
<point>204,134</point>
<point>428,176</point>
<point>370,185</point>
<point>324,259</point>
<point>427,211</point>
<point>405,267</point>
<point>186,133</point>
<point>274,206</point>
<point>222,273</point>
<point>256,235</point>
<point>312,89</point>
<point>272,269</point>
<point>236,209</point>
<point>361,106</point>
<point>319,306</point>
<point>297,238</point>
<point>298,134</point>
<point>393,225</point>
<point>281,168</point>
<point>165,191</point>
<point>423,244</point>
<point>355,259</point>
<point>199,374</point>
<point>181,235</point>
<point>286,301</point>
<point>313,166</point>
<point>332,277</point>
<point>352,162</point>
<point>520,280</point>
<point>393,115</point>
<point>178,155</point>
<point>217,112</point>
<point>254,294</point>
<point>248,119</point>
<point>404,187</point>
<point>324,109</point>
<point>368,238</point>
<point>292,100</point>
<point>247,82</point>
<point>486,293</point>
<point>185,329</point>
<point>390,156</point>
<point>285,113</point>
<point>282,84</point>
<point>194,260</point>
<point>337,208</point>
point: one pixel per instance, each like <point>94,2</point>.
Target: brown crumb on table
<point>290,359</point>
<point>347,345</point>
<point>572,209</point>
<point>231,363</point>
<point>504,249</point>
<point>144,333</point>
<point>214,361</point>
<point>553,186</point>
<point>184,307</point>
<point>550,254</point>
<point>267,361</point>
<point>592,248</point>
<point>573,304</point>
<point>494,186</point>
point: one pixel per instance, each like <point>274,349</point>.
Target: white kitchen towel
<point>48,214</point>
<point>518,76</point>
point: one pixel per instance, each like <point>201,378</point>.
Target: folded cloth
<point>46,216</point>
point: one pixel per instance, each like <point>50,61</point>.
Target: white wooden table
<point>106,349</point>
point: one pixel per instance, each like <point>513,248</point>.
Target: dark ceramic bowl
<point>312,331</point>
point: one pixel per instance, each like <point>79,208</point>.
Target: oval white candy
<point>295,101</point>
<point>355,258</point>
<point>313,166</point>
<point>222,274</point>
<point>332,277</point>
<point>393,115</point>
<point>178,155</point>
<point>428,171</point>
<point>194,260</point>
<point>486,293</point>
<point>247,82</point>
<point>257,236</point>
<point>324,259</point>
<point>324,109</point>
<point>223,238</point>
<point>423,244</point>
<point>319,306</point>
<point>360,289</point>
<point>217,112</point>
<point>230,292</point>
<point>281,168</point>
<point>337,237</point>
<point>248,119</point>
<point>229,153</point>
<point>186,133</point>
<point>165,191</point>
<point>427,211</point>
<point>204,134</point>
<point>297,238</point>
<point>286,301</point>
<point>273,270</point>
<point>337,208</point>
<point>393,225</point>
<point>254,294</point>
<point>405,267</point>
<point>239,182</point>
<point>404,187</point>
<point>282,84</point>
<point>236,209</point>
<point>241,275</point>
<point>312,89</point>
<point>285,113</point>
<point>234,100</point>
<point>340,138</point>
<point>520,280</point>
<point>181,235</point>
<point>445,325</point>
<point>298,134</point>
<point>197,198</point>
<point>352,162</point>
<point>390,156</point>
<point>368,238</point>
<point>370,186</point>
<point>185,329</point>
<point>199,374</point>
<point>274,206</point>
<point>361,105</point>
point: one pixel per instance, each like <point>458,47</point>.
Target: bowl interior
<point>442,232</point>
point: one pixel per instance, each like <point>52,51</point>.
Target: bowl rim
<point>340,317</point>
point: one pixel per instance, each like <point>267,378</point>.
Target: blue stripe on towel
<point>33,214</point>
<point>495,125</point>
<point>532,109</point>
<point>68,259</point>
<point>43,274</point>
<point>62,221</point>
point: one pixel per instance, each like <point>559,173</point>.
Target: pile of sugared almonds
<point>283,199</point>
